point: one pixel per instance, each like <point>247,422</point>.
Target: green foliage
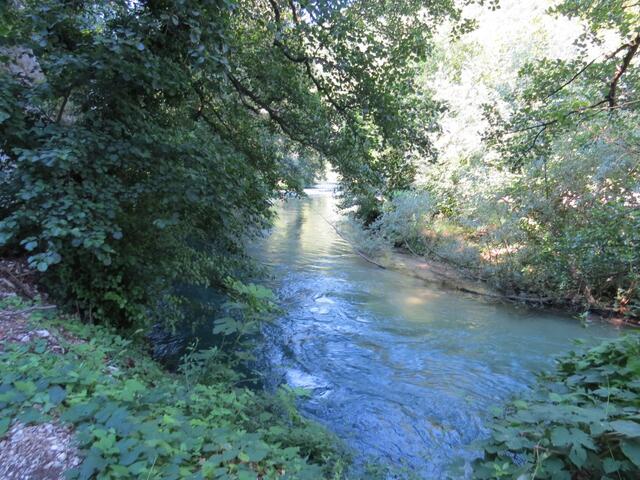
<point>145,141</point>
<point>571,133</point>
<point>405,217</point>
<point>544,204</point>
<point>617,15</point>
<point>134,420</point>
<point>583,421</point>
<point>555,96</point>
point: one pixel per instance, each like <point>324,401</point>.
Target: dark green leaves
<point>158,133</point>
<point>57,394</point>
<point>579,431</point>
<point>631,449</point>
<point>560,437</point>
<point>146,422</point>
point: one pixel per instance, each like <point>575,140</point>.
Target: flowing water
<point>403,371</point>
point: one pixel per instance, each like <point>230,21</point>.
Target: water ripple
<point>404,372</point>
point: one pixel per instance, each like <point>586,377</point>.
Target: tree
<point>161,130</point>
<point>558,96</point>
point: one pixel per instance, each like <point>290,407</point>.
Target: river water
<point>404,372</point>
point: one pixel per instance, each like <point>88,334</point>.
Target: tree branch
<point>632,49</point>
<point>65,99</point>
<point>609,56</point>
<point>302,59</point>
<point>571,80</point>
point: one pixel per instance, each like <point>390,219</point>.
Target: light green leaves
<point>26,387</point>
<point>131,389</point>
<point>145,422</point>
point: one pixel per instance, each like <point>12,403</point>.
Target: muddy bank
<point>448,276</point>
<point>436,272</point>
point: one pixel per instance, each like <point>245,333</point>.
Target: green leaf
<point>520,404</point>
<point>26,387</point>
<point>246,475</point>
<point>626,428</point>
<point>131,388</point>
<point>578,456</point>
<point>31,415</point>
<point>560,437</point>
<point>92,463</point>
<point>4,425</point>
<point>631,450</point>
<point>610,465</point>
<point>57,394</point>
<point>255,453</point>
<point>578,437</point>
<point>79,412</point>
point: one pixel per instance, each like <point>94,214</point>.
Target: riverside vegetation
<point>536,189</point>
<point>142,144</point>
<point>133,419</point>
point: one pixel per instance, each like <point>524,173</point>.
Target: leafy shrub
<point>405,216</point>
<point>149,138</point>
<point>134,420</point>
<point>583,421</point>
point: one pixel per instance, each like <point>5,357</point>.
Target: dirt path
<point>30,452</point>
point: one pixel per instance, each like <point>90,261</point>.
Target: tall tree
<point>156,133</point>
<point>557,96</point>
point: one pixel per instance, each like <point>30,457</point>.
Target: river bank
<point>449,276</point>
<point>404,371</point>
<point>84,401</point>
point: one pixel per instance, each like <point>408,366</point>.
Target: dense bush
<point>537,186</point>
<point>583,421</point>
<point>405,217</point>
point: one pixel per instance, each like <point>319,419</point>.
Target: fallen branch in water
<point>517,298</point>
<point>351,244</point>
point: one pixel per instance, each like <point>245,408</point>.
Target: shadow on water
<point>403,371</point>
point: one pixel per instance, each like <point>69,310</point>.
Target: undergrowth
<point>133,419</point>
<point>581,422</point>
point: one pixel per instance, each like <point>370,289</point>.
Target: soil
<point>31,452</point>
<point>448,276</point>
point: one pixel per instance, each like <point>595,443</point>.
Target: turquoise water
<point>403,371</point>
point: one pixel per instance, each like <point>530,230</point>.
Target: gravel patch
<point>38,452</point>
<point>14,327</point>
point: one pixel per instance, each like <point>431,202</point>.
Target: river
<point>403,371</point>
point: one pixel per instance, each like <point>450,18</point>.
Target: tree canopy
<point>142,141</point>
